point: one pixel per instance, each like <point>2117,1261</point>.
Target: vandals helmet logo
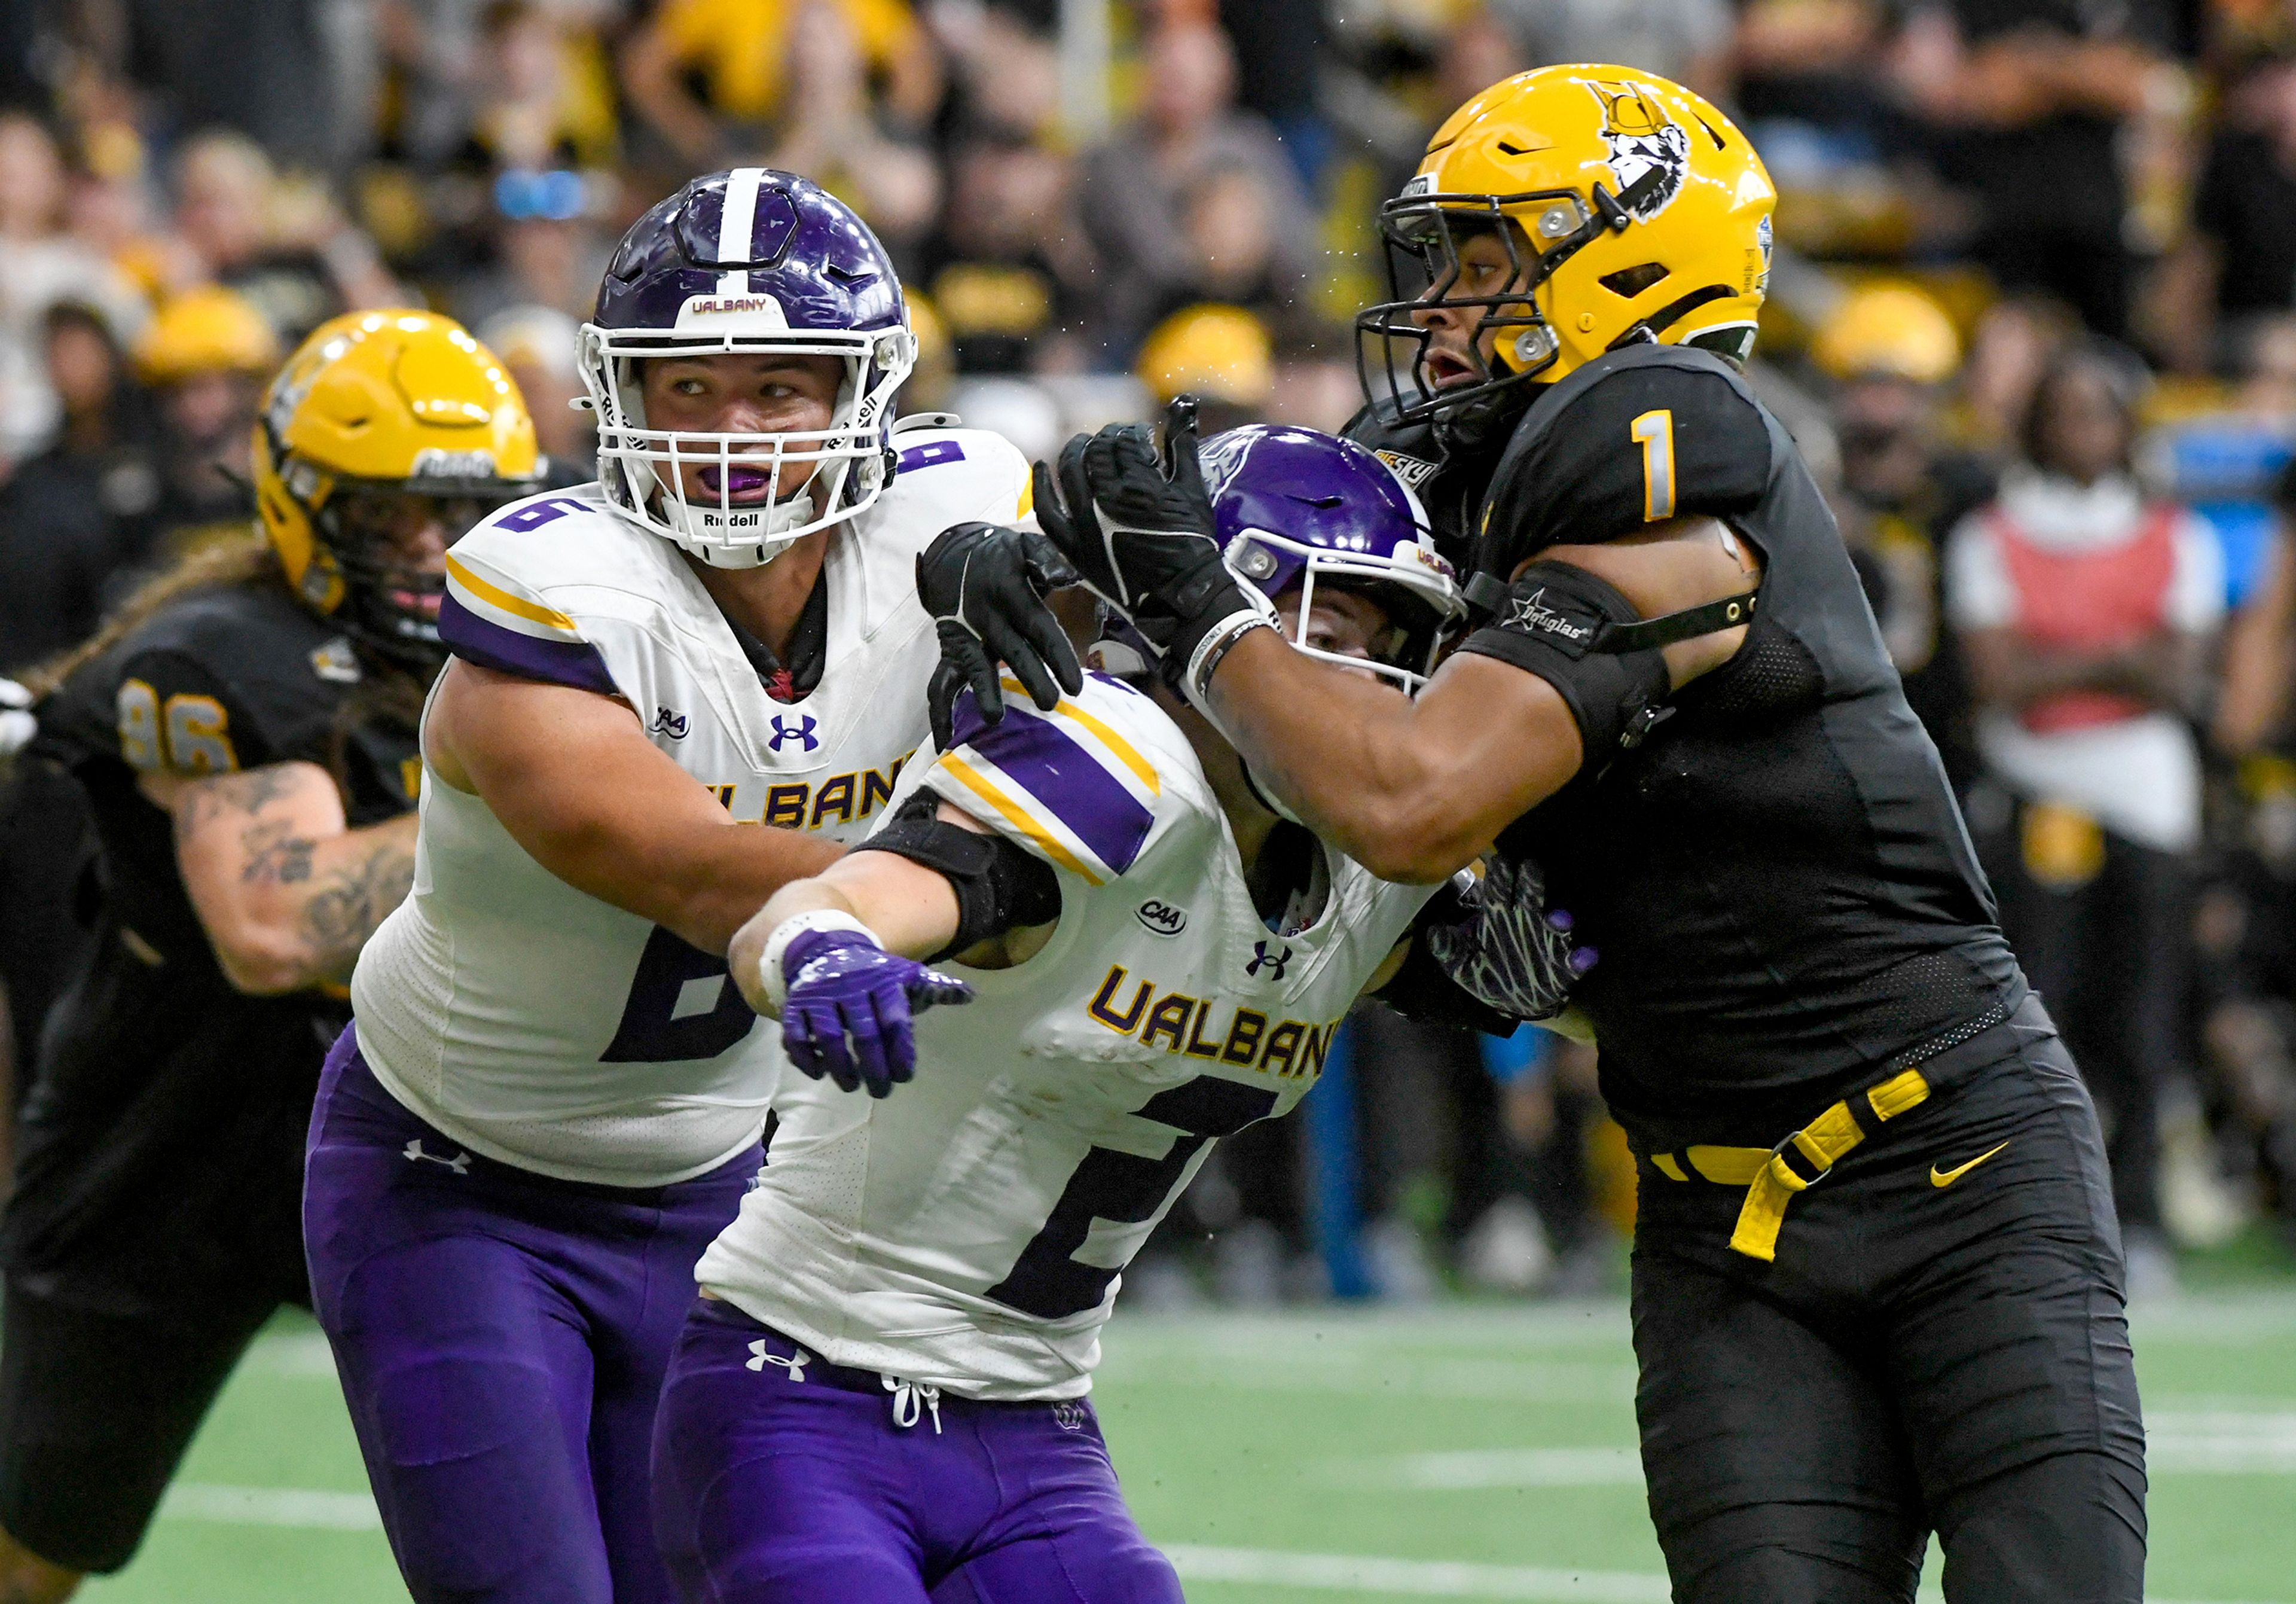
<point>1650,153</point>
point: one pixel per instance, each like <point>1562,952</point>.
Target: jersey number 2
<point>1123,1188</point>
<point>1654,432</point>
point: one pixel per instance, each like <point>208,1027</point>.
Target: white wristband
<point>1214,645</point>
<point>770,978</point>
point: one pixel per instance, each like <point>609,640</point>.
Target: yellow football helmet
<point>1218,353</point>
<point>373,408</point>
<point>207,330</point>
<point>1631,209</point>
<point>1886,330</point>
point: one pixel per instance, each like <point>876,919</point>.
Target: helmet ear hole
<point>1631,281</point>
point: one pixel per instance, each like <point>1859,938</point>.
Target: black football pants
<point>1920,1357</point>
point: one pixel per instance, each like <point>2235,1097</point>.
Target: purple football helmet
<point>750,261</point>
<point>1294,507</point>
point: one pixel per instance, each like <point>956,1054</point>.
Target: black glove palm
<point>1138,523</point>
<point>1513,953</point>
<point>984,585</point>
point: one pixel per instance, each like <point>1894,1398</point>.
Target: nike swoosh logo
<point>1946,1178</point>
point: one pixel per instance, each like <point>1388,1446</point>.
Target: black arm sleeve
<point>1554,624</point>
<point>999,886</point>
<point>1419,991</point>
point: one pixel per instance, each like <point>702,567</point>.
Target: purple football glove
<point>848,1005</point>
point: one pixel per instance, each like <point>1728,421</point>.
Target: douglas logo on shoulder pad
<point>1533,616</point>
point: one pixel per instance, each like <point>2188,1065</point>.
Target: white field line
<point>1439,1578</point>
<point>310,1509</point>
<point>291,1353</point>
<point>1497,1381</point>
<point>305,1507</point>
<point>2178,1443</point>
<point>1415,1578</point>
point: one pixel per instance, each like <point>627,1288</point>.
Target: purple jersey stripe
<point>482,641</point>
<point>1070,783</point>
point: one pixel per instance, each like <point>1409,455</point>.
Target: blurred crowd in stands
<point>2033,323</point>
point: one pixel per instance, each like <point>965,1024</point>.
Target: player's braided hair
<point>237,561</point>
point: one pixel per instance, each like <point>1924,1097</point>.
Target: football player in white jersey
<point>881,1396</point>
<point>672,692</point>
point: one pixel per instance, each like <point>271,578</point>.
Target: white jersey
<point>547,1029</point>
<point>969,1231</point>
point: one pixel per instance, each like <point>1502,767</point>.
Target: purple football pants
<point>501,1337</point>
<point>780,1480</point>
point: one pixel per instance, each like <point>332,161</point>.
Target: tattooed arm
<point>287,892</point>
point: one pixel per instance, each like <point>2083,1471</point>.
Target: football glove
<point>846,1004</point>
<point>1512,953</point>
<point>984,585</point>
<point>1136,521</point>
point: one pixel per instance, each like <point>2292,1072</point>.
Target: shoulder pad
<point>502,609</point>
<point>225,678</point>
<point>1086,787</point>
<point>1640,435</point>
<point>945,476</point>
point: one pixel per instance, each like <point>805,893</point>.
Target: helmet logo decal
<point>1764,243</point>
<point>1650,153</point>
<point>434,462</point>
<point>765,309</point>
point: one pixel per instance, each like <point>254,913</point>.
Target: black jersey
<point>1778,879</point>
<point>163,1134</point>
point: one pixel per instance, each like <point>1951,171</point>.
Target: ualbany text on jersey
<point>1290,1047</point>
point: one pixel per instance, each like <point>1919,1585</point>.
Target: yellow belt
<point>1769,1175</point>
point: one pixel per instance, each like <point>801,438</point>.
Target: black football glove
<point>1512,953</point>
<point>1136,521</point>
<point>984,585</point>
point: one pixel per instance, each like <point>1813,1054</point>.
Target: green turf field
<point>1464,1453</point>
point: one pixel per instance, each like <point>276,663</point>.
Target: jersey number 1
<point>1654,432</point>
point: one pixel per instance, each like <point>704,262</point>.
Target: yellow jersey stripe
<point>495,596</point>
<point>989,791</point>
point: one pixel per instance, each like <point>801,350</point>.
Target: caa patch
<point>1562,623</point>
<point>1161,918</point>
<point>1648,148</point>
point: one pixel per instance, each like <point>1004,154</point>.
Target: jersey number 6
<point>683,1005</point>
<point>1123,1188</point>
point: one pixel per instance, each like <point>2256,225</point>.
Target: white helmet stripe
<point>735,228</point>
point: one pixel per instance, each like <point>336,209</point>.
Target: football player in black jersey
<point>244,732</point>
<point>1877,1282</point>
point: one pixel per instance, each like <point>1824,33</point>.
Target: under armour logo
<point>1068,1415</point>
<point>1272,962</point>
<point>801,730</point>
<point>460,1163</point>
<point>794,1364</point>
<point>670,724</point>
